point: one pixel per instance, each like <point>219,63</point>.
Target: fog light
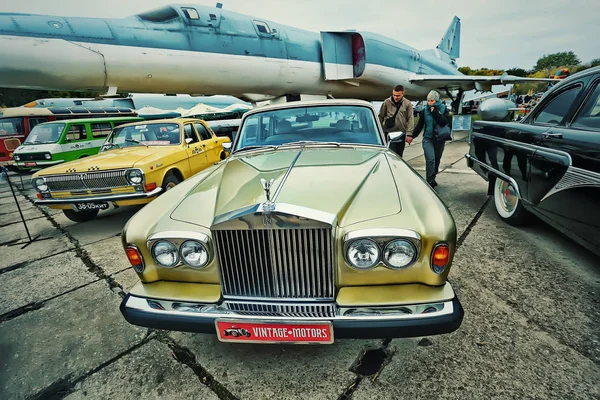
<point>440,258</point>
<point>135,258</point>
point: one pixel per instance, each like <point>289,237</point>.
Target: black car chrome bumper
<point>385,322</point>
<point>94,199</point>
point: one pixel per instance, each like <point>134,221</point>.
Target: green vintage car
<point>311,230</point>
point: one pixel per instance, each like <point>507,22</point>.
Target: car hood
<point>112,159</point>
<point>354,184</point>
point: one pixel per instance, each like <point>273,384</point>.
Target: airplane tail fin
<point>450,43</point>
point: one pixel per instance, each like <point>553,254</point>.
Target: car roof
<point>163,121</point>
<point>92,120</point>
<point>311,103</point>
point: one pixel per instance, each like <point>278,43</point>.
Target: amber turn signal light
<point>150,186</point>
<point>440,258</point>
<point>135,258</point>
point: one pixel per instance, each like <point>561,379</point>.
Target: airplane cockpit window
<point>191,13</point>
<point>262,27</point>
<point>159,15</point>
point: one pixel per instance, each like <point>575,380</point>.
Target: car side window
<point>76,132</point>
<point>589,116</point>
<point>204,135</point>
<point>557,108</point>
<point>35,121</point>
<point>189,133</point>
<point>101,130</point>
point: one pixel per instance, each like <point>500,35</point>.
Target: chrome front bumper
<point>360,322</point>
<point>94,199</point>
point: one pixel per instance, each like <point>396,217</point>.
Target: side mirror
<point>188,140</point>
<point>395,137</point>
<point>227,146</point>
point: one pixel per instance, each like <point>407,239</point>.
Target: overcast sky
<point>495,34</point>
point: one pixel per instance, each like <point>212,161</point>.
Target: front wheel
<point>80,216</point>
<point>169,182</point>
<point>508,205</point>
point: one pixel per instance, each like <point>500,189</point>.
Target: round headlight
<point>17,158</point>
<point>165,253</point>
<point>363,254</point>
<point>194,254</point>
<point>399,253</point>
<point>40,184</point>
<point>134,176</point>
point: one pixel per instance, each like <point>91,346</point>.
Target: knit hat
<point>433,95</point>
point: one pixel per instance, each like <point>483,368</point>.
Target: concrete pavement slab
<point>40,226</point>
<point>109,255</point>
<point>506,348</point>
<point>12,255</point>
<point>277,371</point>
<point>108,223</point>
<point>67,338</point>
<point>37,281</point>
<point>14,217</point>
<point>127,279</point>
<point>149,372</point>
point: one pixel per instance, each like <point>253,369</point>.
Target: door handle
<point>550,135</point>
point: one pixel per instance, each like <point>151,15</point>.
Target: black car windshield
<point>45,133</point>
<point>334,123</point>
<point>151,134</point>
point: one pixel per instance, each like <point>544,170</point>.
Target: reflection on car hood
<point>113,159</point>
<point>353,184</point>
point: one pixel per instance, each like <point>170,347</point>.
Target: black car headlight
<point>40,184</point>
<point>134,176</point>
<point>363,254</point>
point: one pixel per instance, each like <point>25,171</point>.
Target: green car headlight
<point>363,254</point>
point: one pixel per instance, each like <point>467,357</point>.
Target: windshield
<point>11,126</point>
<point>45,133</point>
<point>157,134</point>
<point>335,123</point>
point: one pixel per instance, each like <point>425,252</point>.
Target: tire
<point>508,205</point>
<point>78,216</point>
<point>169,182</point>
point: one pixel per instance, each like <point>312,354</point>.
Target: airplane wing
<point>470,82</point>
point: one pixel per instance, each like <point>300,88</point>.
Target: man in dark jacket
<point>433,115</point>
<point>404,121</point>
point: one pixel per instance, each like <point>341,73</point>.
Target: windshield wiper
<point>305,142</point>
<point>256,147</point>
<point>111,145</point>
<point>136,141</point>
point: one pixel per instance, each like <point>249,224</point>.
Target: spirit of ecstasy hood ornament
<point>266,185</point>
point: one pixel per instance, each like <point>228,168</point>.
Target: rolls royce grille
<point>89,180</point>
<point>276,263</point>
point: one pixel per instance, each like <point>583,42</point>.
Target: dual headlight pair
<point>193,253</point>
<point>366,253</point>
<point>47,156</point>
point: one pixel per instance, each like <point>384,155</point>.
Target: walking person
<point>396,115</point>
<point>433,115</point>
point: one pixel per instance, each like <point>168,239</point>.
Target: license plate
<point>90,206</point>
<point>30,164</point>
<point>274,332</point>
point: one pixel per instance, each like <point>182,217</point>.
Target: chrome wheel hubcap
<point>508,197</point>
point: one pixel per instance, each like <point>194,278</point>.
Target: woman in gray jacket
<point>430,117</point>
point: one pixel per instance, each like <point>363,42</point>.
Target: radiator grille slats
<point>89,180</point>
<point>278,263</point>
<point>283,310</point>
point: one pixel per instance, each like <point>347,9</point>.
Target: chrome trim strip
<point>574,177</point>
<point>285,176</point>
<point>39,162</point>
<point>382,232</point>
<point>116,197</point>
<point>304,212</point>
<point>164,307</point>
<point>202,237</point>
<point>498,173</point>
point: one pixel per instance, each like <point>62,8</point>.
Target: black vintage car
<point>547,164</point>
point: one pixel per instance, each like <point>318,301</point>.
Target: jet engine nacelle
<point>495,110</point>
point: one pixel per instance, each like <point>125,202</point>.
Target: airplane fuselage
<point>204,50</point>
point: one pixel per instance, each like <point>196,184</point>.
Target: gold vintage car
<point>311,230</point>
<point>137,162</point>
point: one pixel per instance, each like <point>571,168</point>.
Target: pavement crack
<point>368,365</point>
<point>472,224</point>
<point>21,310</point>
<point>185,356</point>
<point>81,253</point>
<point>67,385</point>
